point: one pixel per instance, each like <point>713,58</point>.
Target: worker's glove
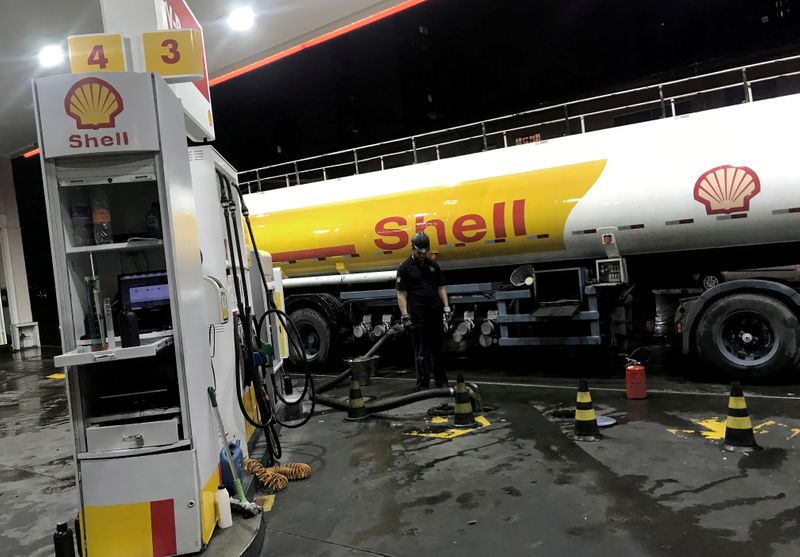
<point>408,325</point>
<point>448,317</point>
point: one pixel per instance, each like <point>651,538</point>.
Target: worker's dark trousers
<point>428,344</point>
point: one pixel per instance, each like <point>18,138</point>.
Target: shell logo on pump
<point>93,103</point>
<point>727,189</point>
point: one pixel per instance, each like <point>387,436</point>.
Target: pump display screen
<point>155,294</point>
<point>143,291</point>
<point>147,295</point>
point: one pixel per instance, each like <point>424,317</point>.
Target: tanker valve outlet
<point>489,329</point>
<point>383,327</point>
<point>363,328</point>
<point>465,326</point>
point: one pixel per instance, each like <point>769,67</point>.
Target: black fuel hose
<point>291,330</point>
<point>249,366</point>
<point>390,403</point>
<point>292,333</point>
<point>282,316</point>
<point>274,450</point>
<point>333,381</point>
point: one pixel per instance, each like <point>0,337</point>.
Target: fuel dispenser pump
<point>165,262</point>
<point>146,448</point>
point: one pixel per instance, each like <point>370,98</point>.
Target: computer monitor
<point>147,295</point>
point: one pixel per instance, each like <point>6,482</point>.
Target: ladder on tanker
<point>649,102</point>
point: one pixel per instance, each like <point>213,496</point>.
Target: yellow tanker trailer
<point>563,242</point>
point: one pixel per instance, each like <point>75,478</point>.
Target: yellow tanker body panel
<point>503,215</point>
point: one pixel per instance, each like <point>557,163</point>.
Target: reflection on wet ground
<point>37,483</point>
<point>657,484</point>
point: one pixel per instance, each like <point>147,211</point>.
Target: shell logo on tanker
<point>727,189</point>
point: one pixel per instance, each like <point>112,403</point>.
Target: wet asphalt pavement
<point>657,484</point>
<point>37,476</point>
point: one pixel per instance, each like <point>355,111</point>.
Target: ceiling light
<point>51,55</point>
<point>241,19</point>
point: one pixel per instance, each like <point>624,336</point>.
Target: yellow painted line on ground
<point>680,432</point>
<point>760,427</point>
<point>715,428</point>
<point>795,433</point>
<point>56,376</point>
<point>453,433</point>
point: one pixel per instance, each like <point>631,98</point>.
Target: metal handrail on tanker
<point>357,161</point>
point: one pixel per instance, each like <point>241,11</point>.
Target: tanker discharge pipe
<point>333,381</point>
<point>390,403</point>
<point>335,280</point>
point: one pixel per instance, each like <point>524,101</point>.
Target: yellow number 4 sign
<point>175,54</point>
<point>96,53</point>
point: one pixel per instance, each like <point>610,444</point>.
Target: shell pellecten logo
<point>93,103</point>
<point>727,189</point>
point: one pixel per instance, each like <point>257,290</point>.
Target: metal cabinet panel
<point>131,436</point>
<point>141,502</point>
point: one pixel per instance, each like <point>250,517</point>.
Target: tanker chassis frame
<point>505,313</point>
<point>552,307</point>
<point>747,329</point>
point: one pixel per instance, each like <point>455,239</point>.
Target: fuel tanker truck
<point>579,240</point>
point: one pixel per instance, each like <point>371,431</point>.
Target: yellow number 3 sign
<point>96,53</point>
<point>175,54</point>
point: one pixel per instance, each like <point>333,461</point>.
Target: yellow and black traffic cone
<point>463,408</point>
<point>739,436</point>
<point>356,411</point>
<point>585,419</point>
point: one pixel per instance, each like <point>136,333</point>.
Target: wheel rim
<point>746,338</point>
<point>710,281</point>
<point>310,340</point>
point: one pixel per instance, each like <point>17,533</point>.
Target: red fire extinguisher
<point>635,380</point>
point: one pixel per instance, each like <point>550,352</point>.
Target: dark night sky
<point>475,58</point>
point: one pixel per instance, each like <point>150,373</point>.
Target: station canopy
<point>280,27</point>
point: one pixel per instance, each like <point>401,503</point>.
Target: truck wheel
<point>315,336</point>
<point>748,336</point>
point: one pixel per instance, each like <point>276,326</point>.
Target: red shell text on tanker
<point>464,229</point>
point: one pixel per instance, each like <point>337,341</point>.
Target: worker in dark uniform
<point>424,309</point>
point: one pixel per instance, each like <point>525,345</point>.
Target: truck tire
<point>749,336</point>
<point>315,336</point>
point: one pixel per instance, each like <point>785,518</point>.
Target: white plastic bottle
<point>222,502</point>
